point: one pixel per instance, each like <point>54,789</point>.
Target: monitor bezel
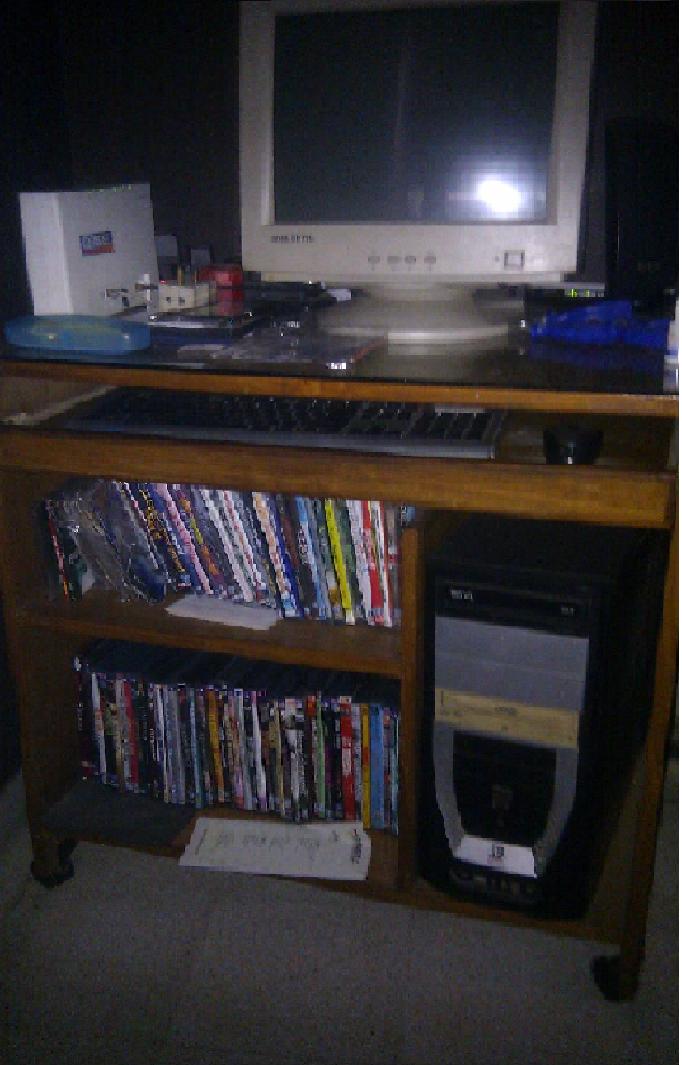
<point>423,253</point>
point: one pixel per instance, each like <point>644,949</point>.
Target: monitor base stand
<point>442,314</point>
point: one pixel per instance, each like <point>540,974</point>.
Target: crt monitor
<point>414,152</point>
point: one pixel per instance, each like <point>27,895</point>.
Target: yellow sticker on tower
<point>547,725</point>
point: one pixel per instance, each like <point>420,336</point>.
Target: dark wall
<point>129,92</point>
<point>151,93</point>
<point>34,143</point>
<point>34,155</point>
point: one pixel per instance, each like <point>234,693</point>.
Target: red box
<point>225,275</point>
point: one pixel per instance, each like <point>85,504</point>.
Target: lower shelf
<point>93,812</point>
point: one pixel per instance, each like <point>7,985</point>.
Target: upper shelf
<point>358,648</point>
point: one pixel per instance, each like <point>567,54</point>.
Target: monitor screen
<point>447,127</point>
<point>407,146</point>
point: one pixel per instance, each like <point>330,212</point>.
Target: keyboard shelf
<point>432,430</point>
<point>625,494</point>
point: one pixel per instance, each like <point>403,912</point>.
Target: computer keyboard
<point>349,425</point>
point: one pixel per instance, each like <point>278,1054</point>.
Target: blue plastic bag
<point>610,322</point>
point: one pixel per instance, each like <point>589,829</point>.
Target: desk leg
<point>617,976</point>
<point>411,698</point>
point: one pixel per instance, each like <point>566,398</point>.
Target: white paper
<point>506,857</point>
<point>223,612</point>
<point>337,851</point>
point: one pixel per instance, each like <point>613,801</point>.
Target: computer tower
<point>540,647</point>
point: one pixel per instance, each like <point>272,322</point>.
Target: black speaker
<point>533,708</point>
<point>641,212</point>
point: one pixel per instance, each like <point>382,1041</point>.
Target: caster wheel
<point>65,850</point>
<point>606,971</point>
<point>65,869</point>
<point>65,872</point>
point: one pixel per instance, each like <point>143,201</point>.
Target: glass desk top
<point>516,371</point>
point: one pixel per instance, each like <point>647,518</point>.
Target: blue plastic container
<point>610,322</point>
<point>78,332</point>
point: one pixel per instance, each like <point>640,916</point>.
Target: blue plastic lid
<point>78,332</point>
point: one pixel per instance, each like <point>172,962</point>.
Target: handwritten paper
<point>337,851</point>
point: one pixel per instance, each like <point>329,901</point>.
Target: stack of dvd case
<point>203,730</point>
<point>327,559</point>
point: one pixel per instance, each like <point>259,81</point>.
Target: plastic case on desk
<point>78,332</point>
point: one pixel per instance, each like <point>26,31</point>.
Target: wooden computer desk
<point>633,483</point>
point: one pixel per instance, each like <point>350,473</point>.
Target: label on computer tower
<point>505,857</point>
<point>503,718</point>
